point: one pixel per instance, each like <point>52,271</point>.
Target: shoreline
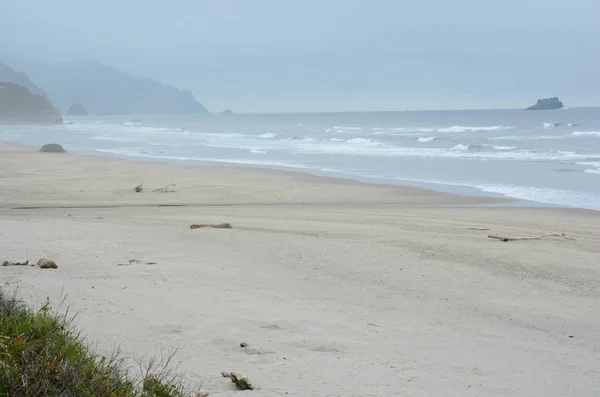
<point>387,194</point>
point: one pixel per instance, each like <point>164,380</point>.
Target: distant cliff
<point>19,106</point>
<point>9,75</point>
<point>547,104</point>
<point>104,89</point>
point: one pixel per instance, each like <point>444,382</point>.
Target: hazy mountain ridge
<point>103,89</point>
<point>19,106</point>
<point>9,75</point>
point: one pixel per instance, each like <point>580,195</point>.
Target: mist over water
<point>550,157</point>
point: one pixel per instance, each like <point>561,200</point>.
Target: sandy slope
<point>333,300</point>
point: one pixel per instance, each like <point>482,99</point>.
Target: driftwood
<point>505,239</point>
<point>139,188</point>
<point>166,189</point>
<point>478,228</point>
<point>214,226</point>
<point>11,263</point>
<point>241,381</point>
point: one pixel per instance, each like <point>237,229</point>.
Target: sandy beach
<point>339,288</point>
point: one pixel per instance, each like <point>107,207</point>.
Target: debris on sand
<point>241,381</point>
<point>214,226</point>
<point>47,264</point>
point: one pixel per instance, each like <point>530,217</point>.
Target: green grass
<point>41,354</point>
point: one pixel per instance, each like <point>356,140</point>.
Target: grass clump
<point>41,354</point>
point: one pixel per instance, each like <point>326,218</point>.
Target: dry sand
<point>333,299</point>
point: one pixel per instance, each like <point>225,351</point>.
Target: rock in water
<point>547,104</point>
<point>52,148</point>
<point>47,264</point>
<point>227,111</point>
<point>77,110</point>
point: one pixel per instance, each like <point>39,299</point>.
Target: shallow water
<point>550,157</point>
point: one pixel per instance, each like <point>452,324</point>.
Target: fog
<point>276,55</point>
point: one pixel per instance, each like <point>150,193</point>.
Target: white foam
<point>551,125</point>
<point>586,133</point>
<point>426,139</point>
<point>459,128</point>
<point>363,141</point>
<point>140,154</point>
<point>344,130</point>
<point>528,137</point>
<point>460,147</point>
<point>595,164</point>
<point>257,151</point>
<point>268,135</point>
<point>504,147</point>
<point>113,138</point>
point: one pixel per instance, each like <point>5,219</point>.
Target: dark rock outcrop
<point>547,104</point>
<point>19,106</point>
<point>76,110</point>
<point>52,148</point>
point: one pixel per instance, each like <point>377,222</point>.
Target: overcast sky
<point>328,55</point>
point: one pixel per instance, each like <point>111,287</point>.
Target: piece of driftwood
<point>505,239</point>
<point>478,228</point>
<point>11,263</point>
<point>241,381</point>
<point>214,226</point>
<point>166,189</point>
<point>139,188</point>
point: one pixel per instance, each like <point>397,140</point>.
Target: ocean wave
<point>528,137</point>
<point>363,141</point>
<point>504,147</point>
<point>338,129</point>
<point>586,133</point>
<point>426,139</point>
<point>595,164</point>
<point>459,128</point>
<point>302,139</point>
<point>475,148</point>
<point>551,125</point>
<point>268,135</point>
<point>257,151</point>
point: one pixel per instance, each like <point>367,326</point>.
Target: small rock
<point>244,344</point>
<point>47,264</point>
<point>202,393</point>
<point>52,148</point>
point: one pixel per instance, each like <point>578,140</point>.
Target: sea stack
<point>547,104</point>
<point>77,110</point>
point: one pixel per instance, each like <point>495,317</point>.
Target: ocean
<point>542,157</point>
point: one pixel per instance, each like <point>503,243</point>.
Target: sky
<point>328,55</point>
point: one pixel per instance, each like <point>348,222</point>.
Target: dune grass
<point>42,354</point>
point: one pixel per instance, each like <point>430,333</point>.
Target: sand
<point>341,296</point>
